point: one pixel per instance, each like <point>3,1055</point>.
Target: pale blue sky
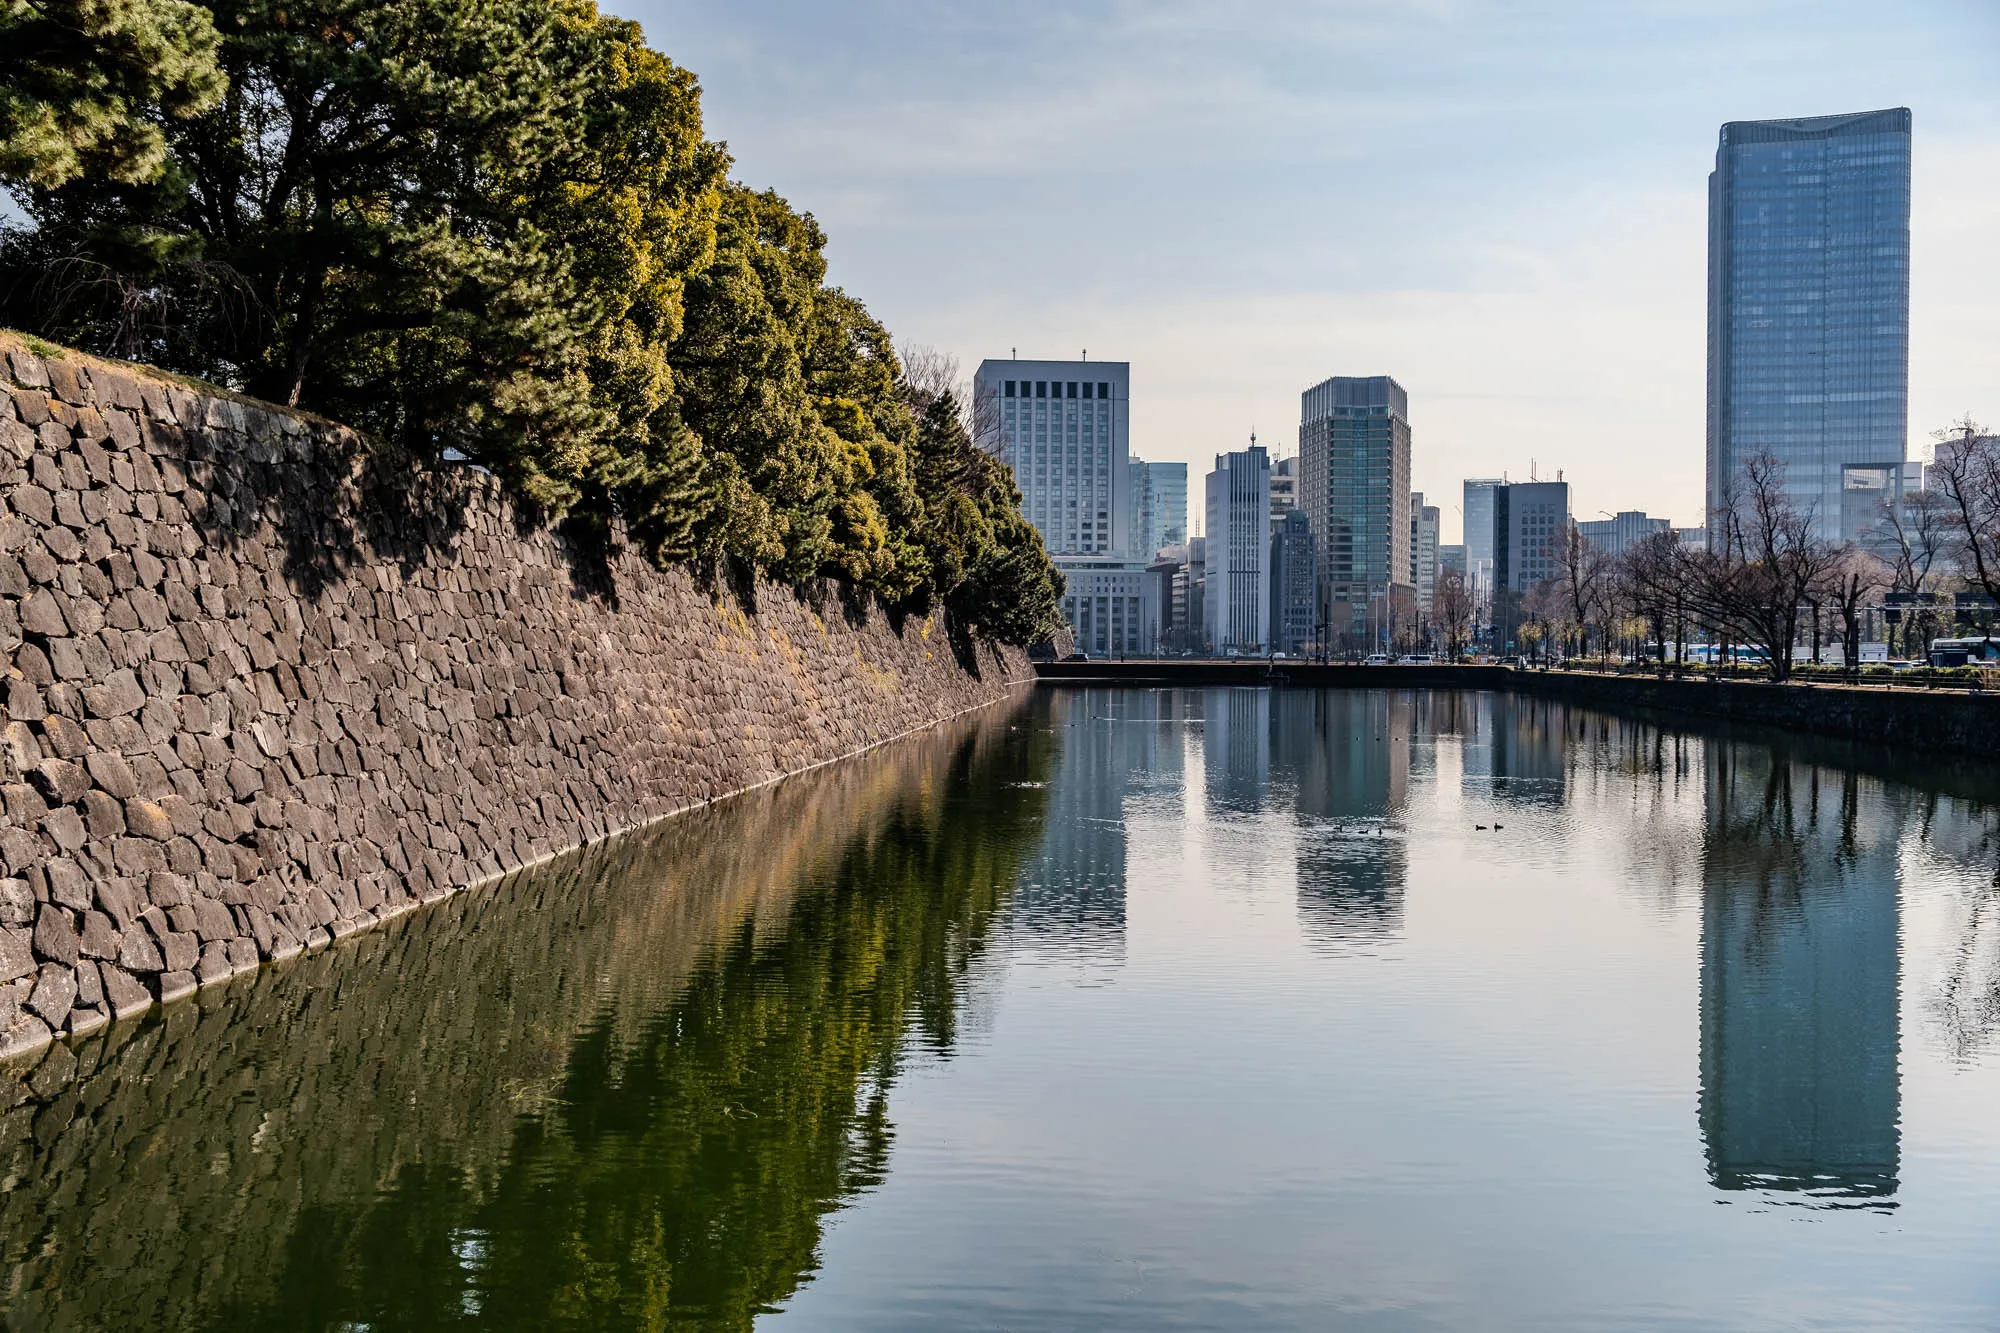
<point>1501,204</point>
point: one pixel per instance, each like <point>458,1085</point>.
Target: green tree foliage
<point>88,84</point>
<point>495,227</point>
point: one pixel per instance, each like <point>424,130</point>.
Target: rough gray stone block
<point>54,994</point>
<point>61,781</point>
<point>17,955</point>
<point>56,938</point>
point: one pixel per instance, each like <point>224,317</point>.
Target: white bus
<point>1965,652</point>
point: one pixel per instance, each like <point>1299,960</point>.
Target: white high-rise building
<point>1238,602</point>
<point>1425,524</point>
<point>1064,427</point>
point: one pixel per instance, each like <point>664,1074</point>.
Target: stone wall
<point>267,685</point>
<point>259,1127</point>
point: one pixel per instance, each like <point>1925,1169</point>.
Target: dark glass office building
<point>1809,305</point>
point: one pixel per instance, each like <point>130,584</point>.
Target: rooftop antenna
<point>1014,352</point>
<point>1086,354</point>
<point>1531,469</point>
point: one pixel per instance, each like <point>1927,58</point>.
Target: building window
<point>1072,388</point>
<point>1010,388</point>
<point>1041,388</point>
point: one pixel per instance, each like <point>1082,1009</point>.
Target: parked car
<point>1077,657</point>
<point>1510,660</point>
<point>1414,659</point>
<point>1375,659</point>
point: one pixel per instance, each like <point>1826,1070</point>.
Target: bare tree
<point>1966,473</point>
<point>1769,566</point>
<point>930,374</point>
<point>1653,577</point>
<point>1582,581</point>
<point>1543,609</point>
<point>1855,578</point>
<point>1919,532</point>
<point>1451,610</point>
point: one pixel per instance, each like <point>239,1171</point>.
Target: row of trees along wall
<point>492,228</point>
<point>493,232</point>
<point>267,685</point>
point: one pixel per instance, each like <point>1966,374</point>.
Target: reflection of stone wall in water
<point>1799,978</point>
<point>267,687</point>
<point>665,1056</point>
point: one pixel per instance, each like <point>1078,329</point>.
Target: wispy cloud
<point>1499,201</point>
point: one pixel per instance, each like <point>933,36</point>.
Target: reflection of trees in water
<point>1799,979</point>
<point>1660,773</point>
<point>618,1091</point>
<point>1964,836</point>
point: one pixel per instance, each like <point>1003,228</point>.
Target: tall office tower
<point>1065,429</point>
<point>1478,514</point>
<point>1451,557</point>
<point>1354,484</point>
<point>1238,604</point>
<point>1284,489</point>
<point>1293,578</point>
<point>1166,506</point>
<point>1616,535</point>
<point>1809,305</point>
<point>1529,519</point>
<point>1425,521</point>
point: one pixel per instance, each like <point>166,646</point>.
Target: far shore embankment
<point>1959,723</point>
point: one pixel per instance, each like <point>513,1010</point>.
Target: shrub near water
<point>492,226</point>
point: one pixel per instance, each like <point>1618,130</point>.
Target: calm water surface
<point>1122,1009</point>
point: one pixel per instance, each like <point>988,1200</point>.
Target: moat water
<point>1116,1009</point>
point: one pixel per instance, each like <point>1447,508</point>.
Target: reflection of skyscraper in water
<point>1514,748</point>
<point>1346,757</point>
<point>1071,897</point>
<point>1236,749</point>
<point>1799,980</point>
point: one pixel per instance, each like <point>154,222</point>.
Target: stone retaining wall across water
<point>266,686</point>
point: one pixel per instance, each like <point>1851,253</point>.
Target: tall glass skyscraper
<point>1354,485</point>
<point>1809,305</point>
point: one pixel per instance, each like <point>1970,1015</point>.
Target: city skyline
<point>1542,295</point>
